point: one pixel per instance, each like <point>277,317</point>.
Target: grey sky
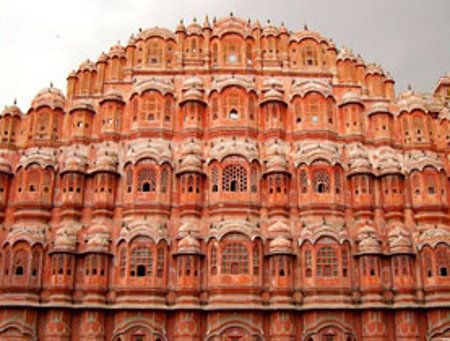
<point>42,41</point>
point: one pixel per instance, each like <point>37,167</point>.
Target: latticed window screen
<point>442,260</point>
<point>254,178</point>
<point>337,181</point>
<point>251,108</point>
<point>146,179</point>
<point>154,53</point>
<point>233,104</point>
<point>256,259</point>
<point>428,263</point>
<point>164,180</point>
<point>234,178</point>
<point>303,181</point>
<point>308,263</point>
<point>123,261</point>
<point>215,179</point>
<point>298,112</point>
<point>129,179</point>
<point>235,259</point>
<point>344,262</point>
<point>167,110</point>
<point>327,264</point>
<point>213,260</point>
<point>321,181</point>
<point>33,180</point>
<point>160,262</point>
<point>215,109</point>
<point>151,108</point>
<point>141,262</point>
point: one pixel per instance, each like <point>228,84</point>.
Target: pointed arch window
<point>303,181</point>
<point>308,263</point>
<point>215,179</point>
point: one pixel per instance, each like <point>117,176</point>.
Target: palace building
<point>228,181</point>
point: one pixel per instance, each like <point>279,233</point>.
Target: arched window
<point>344,262</point>
<point>33,179</point>
<point>234,105</point>
<point>123,261</point>
<point>321,181</point>
<point>213,260</point>
<point>256,253</point>
<point>141,262</point>
<point>442,260</point>
<point>231,53</point>
<point>303,181</point>
<point>254,179</point>
<point>337,181</point>
<point>129,180</point>
<point>215,54</point>
<point>146,179</point>
<point>164,180</point>
<point>428,263</point>
<point>151,107</point>
<point>418,128</point>
<point>36,264</point>
<point>308,263</point>
<point>154,53</point>
<point>234,179</point>
<point>167,110</point>
<point>298,112</point>
<point>327,265</point>
<point>215,179</point>
<point>215,108</point>
<point>160,262</point>
<point>309,56</point>
<point>20,265</point>
<point>235,259</point>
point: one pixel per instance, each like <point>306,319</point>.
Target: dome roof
<point>5,165</point>
<point>280,245</point>
<point>50,97</point>
<point>279,228</point>
<point>98,238</point>
<point>194,28</point>
<point>113,95</point>
<point>188,244</point>
<point>117,51</point>
<point>87,66</point>
<point>368,240</point>
<point>272,95</point>
<point>399,240</point>
<point>12,110</point>
<point>82,104</point>
<point>351,97</point>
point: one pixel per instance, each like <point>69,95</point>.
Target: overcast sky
<point>42,41</point>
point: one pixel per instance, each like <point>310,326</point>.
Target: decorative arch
<point>144,326</point>
<point>237,328</point>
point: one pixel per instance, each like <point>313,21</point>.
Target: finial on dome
<point>305,26</point>
<point>195,19</point>
<point>282,23</point>
<point>51,84</point>
<point>181,21</point>
<point>231,14</point>
<point>214,20</point>
<point>409,86</point>
<point>268,21</point>
<point>249,21</point>
<point>140,29</point>
<point>15,101</point>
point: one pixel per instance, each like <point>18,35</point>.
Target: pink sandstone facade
<point>226,182</point>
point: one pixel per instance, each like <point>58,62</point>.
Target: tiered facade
<point>226,182</point>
